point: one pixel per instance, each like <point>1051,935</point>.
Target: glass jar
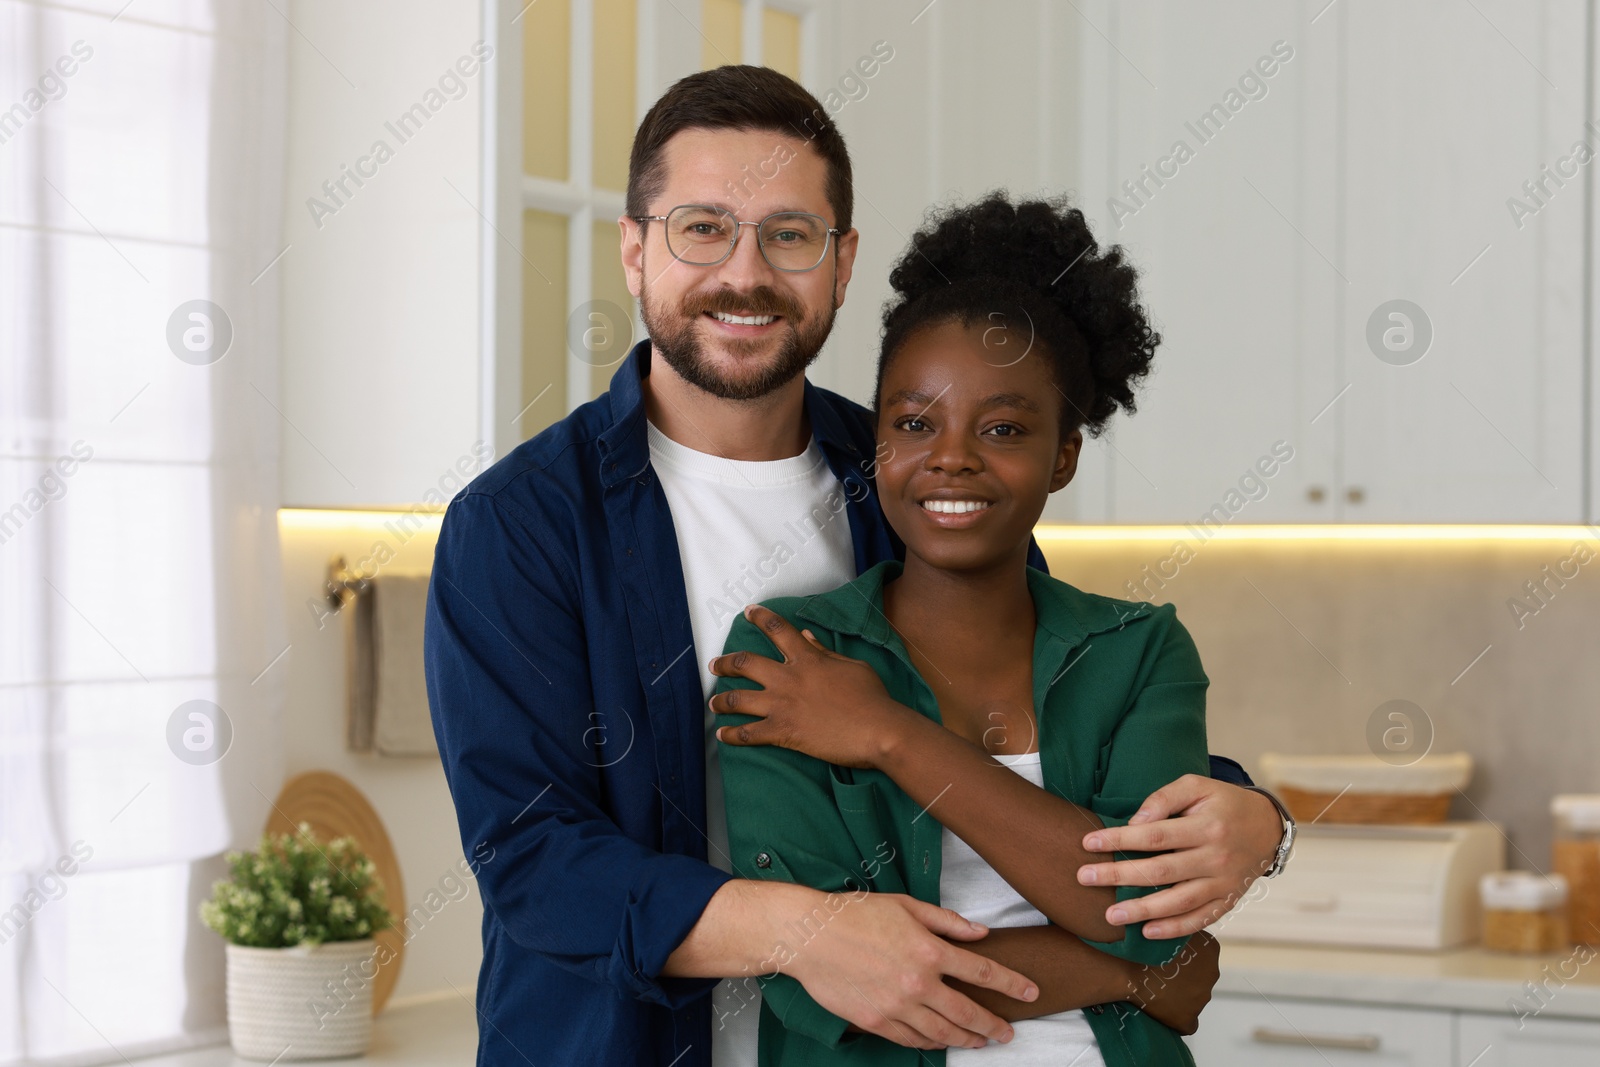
<point>1576,856</point>
<point>1524,912</point>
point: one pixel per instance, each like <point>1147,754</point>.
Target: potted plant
<point>299,917</point>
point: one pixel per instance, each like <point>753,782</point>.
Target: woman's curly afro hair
<point>1034,267</point>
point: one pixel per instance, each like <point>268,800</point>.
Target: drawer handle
<point>1353,1042</point>
<point>1327,903</point>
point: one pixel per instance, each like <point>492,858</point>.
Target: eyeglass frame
<point>831,231</point>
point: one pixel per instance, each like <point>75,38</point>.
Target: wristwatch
<point>1281,857</point>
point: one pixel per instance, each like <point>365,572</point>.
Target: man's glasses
<point>704,235</point>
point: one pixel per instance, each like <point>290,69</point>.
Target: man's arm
<point>512,704</point>
<point>852,967</point>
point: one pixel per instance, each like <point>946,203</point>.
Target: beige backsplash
<point>1304,639</point>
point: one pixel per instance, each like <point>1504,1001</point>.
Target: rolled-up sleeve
<point>509,687</point>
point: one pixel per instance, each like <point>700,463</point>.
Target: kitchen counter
<point>434,1032</point>
<point>444,1031</point>
<point>1465,979</point>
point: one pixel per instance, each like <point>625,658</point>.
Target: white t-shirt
<point>972,888</point>
<point>748,530</point>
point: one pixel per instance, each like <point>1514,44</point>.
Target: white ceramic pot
<point>301,1003</point>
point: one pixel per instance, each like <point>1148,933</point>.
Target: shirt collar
<point>625,442</point>
<point>1063,611</point>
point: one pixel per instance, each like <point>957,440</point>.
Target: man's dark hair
<point>737,98</point>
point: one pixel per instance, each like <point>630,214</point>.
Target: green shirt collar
<point>1066,613</point>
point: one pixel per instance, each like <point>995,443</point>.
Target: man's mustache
<point>762,300</point>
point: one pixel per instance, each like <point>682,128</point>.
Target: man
<point>583,583</point>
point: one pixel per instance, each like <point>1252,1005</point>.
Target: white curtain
<point>140,198</point>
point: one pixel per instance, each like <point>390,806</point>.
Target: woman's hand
<point>1175,994</point>
<point>816,701</point>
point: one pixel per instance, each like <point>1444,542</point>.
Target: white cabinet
<point>1447,112</point>
<point>386,393</point>
<point>1377,162</point>
<point>1206,154</point>
<point>1267,1030</point>
<point>1500,1041</point>
<point>1273,1031</point>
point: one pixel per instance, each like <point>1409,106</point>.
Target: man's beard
<point>673,335</point>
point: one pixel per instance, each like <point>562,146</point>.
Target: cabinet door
<point>1207,155</point>
<point>1448,110</point>
<point>1258,1031</point>
<point>1498,1041</point>
<point>381,361</point>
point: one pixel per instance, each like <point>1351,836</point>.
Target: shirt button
<point>926,859</point>
<point>763,860</point>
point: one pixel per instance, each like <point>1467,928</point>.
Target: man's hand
<point>817,702</point>
<point>1174,994</point>
<point>1217,839</point>
<point>878,961</point>
<point>881,962</point>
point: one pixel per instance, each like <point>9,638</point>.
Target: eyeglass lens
<point>790,241</point>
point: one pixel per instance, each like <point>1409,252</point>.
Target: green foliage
<point>294,891</point>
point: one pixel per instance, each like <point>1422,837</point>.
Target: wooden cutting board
<point>336,808</point>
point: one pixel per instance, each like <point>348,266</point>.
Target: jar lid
<point>1522,890</point>
<point>1580,810</point>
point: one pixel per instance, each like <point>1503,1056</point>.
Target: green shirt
<point>1119,697</point>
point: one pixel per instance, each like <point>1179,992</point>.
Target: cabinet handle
<point>1315,494</point>
<point>1353,1042</point>
<point>1355,494</point>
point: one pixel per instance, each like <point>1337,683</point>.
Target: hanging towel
<point>388,705</point>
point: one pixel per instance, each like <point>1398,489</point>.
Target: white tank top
<point>969,886</point>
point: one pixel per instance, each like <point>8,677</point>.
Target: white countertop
<point>437,1032</point>
<point>1464,979</point>
<point>444,1031</point>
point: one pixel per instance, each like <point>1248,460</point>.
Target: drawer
<point>1497,1041</point>
<point>1272,1031</point>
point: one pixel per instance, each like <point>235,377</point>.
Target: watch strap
<point>1286,843</point>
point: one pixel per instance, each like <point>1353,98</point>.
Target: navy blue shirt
<point>565,693</point>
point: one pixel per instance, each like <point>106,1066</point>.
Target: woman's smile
<point>974,448</point>
<point>955,512</point>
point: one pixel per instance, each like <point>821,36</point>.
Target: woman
<point>1012,712</point>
